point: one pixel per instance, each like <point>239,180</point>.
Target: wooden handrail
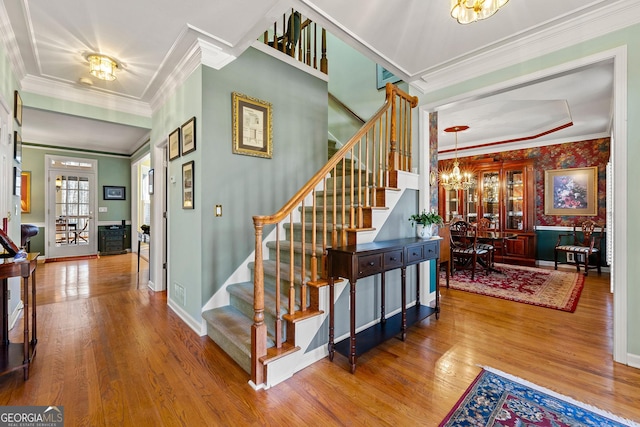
<point>346,108</point>
<point>362,167</point>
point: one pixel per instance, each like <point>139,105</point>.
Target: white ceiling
<point>47,41</point>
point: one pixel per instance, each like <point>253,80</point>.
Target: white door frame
<point>619,270</point>
<point>50,188</point>
<point>158,249</point>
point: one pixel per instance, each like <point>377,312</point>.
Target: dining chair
<point>485,224</point>
<point>464,248</point>
<point>583,240</point>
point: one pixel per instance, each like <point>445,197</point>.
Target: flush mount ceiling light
<point>102,66</point>
<point>468,11</point>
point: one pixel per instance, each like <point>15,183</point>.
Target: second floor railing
<point>299,38</point>
<point>327,211</point>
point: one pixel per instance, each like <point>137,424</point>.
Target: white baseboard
<point>198,326</point>
<point>633,360</point>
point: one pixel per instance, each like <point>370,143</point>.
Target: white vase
<point>424,231</point>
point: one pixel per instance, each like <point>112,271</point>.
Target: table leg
<point>438,288</point>
<point>34,332</point>
<point>331,317</point>
<point>25,345</point>
<point>5,313</point>
<point>404,302</point>
<point>383,319</point>
<point>352,338</point>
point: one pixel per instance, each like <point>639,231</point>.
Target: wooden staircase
<point>260,324</point>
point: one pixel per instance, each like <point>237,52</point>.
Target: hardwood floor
<point>112,354</point>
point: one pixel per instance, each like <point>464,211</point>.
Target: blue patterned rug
<point>500,400</point>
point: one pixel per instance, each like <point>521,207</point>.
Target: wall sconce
<point>58,183</point>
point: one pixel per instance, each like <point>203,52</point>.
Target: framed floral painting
<point>571,192</point>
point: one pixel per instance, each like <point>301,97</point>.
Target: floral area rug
<point>498,399</point>
<point>546,288</point>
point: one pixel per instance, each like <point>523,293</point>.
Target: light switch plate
<point>102,209</point>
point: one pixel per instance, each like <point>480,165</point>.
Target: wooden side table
<point>14,356</point>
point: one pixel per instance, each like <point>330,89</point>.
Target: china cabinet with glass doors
<point>505,195</point>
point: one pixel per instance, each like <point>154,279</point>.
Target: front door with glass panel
<point>71,223</point>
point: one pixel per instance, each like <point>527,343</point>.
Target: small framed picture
<point>251,126</point>
<point>17,181</point>
<point>174,144</point>
<point>187,185</point>
<point>189,136</point>
<point>110,192</point>
<point>150,177</point>
<point>17,107</point>
<point>17,147</point>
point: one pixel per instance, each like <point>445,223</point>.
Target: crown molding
<point>201,52</point>
<point>569,33</point>
<point>69,92</point>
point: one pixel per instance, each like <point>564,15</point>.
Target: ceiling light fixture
<point>102,66</point>
<point>456,179</point>
<point>468,11</point>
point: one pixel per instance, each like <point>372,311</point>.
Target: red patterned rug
<point>546,288</point>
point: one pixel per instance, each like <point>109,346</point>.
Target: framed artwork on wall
<point>17,147</point>
<point>571,192</point>
<point>252,130</point>
<point>110,192</point>
<point>189,136</point>
<point>174,144</point>
<point>17,181</point>
<point>17,107</point>
<point>187,185</point>
<point>25,192</point>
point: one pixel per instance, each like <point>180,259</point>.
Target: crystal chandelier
<point>102,66</point>
<point>456,179</point>
<point>468,11</point>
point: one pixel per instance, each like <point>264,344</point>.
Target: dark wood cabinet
<point>112,240</point>
<point>504,194</point>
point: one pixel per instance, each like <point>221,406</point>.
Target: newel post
<point>394,157</point>
<point>258,329</point>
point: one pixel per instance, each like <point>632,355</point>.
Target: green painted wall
<point>629,37</point>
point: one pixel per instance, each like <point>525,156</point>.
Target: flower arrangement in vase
<point>426,223</point>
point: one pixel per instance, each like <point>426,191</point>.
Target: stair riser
<point>320,217</point>
<point>231,347</point>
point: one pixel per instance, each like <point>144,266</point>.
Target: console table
<point>18,355</point>
<point>354,262</point>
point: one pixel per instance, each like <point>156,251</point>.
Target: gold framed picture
<point>252,129</point>
<point>25,192</point>
<point>17,107</point>
<point>571,192</point>
<point>189,136</point>
<point>187,185</point>
<point>174,144</point>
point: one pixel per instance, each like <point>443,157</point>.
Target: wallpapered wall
<point>582,154</point>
